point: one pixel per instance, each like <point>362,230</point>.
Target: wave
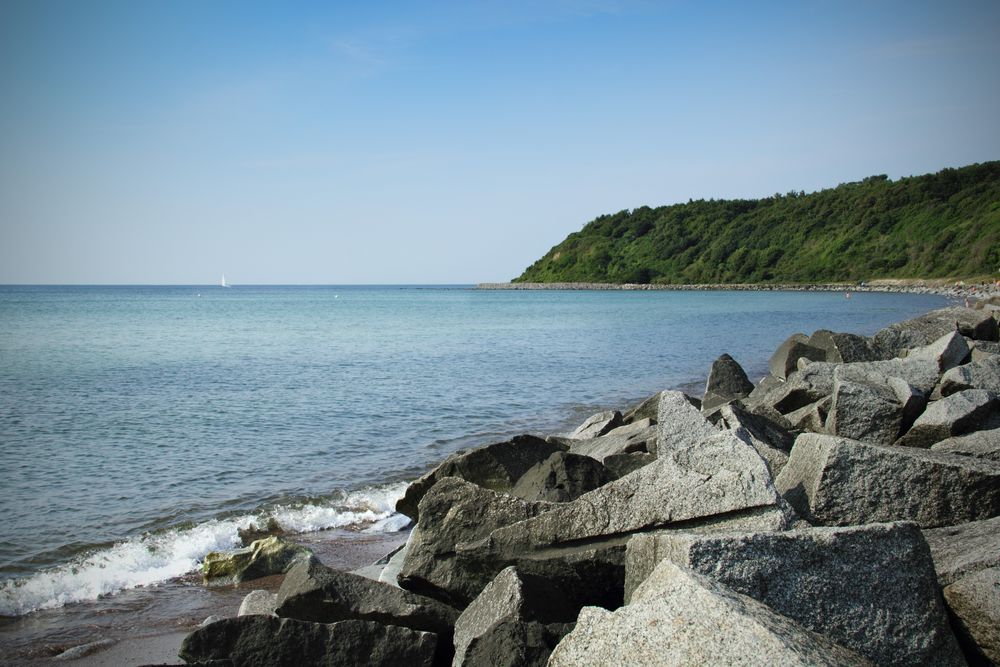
<point>157,557</point>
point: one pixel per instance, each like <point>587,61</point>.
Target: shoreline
<point>942,287</point>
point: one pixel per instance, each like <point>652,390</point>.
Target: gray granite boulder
<point>313,592</point>
<point>258,602</point>
<point>981,444</point>
<point>842,347</point>
<point>785,359</point>
<point>982,374</point>
<point>963,549</point>
<point>922,373</point>
<point>512,597</point>
<point>497,467</point>
<point>512,643</point>
<point>681,424</point>
<point>457,511</point>
<point>869,588</point>
<point>268,641</point>
<point>974,601</point>
<point>598,424</point>
<point>923,330</point>
<point>619,465</point>
<point>727,381</point>
<point>873,412</point>
<point>964,412</point>
<point>639,436</point>
<point>681,618</point>
<point>835,481</point>
<point>813,382</point>
<point>981,349</point>
<point>769,438</point>
<point>562,477</point>
<point>647,409</point>
<point>946,352</point>
<point>811,417</point>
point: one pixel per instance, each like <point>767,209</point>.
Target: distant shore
<point>947,288</point>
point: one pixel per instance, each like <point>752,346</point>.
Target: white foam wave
<point>154,558</point>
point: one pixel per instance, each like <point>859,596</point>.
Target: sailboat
<point>223,283</point>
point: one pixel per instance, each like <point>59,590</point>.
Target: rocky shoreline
<point>951,289</point>
<point>845,510</point>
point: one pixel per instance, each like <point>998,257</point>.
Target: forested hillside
<point>934,226</point>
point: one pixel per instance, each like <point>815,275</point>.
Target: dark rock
<point>271,555</point>
<point>890,611</point>
<point>812,383</point>
<point>645,410</point>
<point>681,618</point>
<point>843,347</point>
<point>619,465</point>
<point>974,601</point>
<point>963,549</point>
<point>268,641</point>
<point>457,511</point>
<point>253,532</point>
<point>313,592</point>
<point>835,481</point>
<point>983,374</point>
<point>785,359</point>
<point>598,424</point>
<point>981,444</point>
<point>515,644</point>
<point>964,412</point>
<point>515,598</point>
<point>727,381</point>
<point>892,340</point>
<point>496,467</point>
<point>562,477</point>
<point>639,436</point>
<point>811,417</point>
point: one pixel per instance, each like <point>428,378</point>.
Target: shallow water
<point>140,427</point>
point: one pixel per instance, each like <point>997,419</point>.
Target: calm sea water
<point>140,427</point>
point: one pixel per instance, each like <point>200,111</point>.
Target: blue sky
<point>415,142</point>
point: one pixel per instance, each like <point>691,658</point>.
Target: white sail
<point>224,280</point>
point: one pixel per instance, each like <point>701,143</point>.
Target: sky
<point>169,142</point>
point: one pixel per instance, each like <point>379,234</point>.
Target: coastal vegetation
<point>942,225</point>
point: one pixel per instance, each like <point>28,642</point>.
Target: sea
<point>142,426</point>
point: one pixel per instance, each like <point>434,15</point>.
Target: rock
<point>981,444</point>
<point>85,649</point>
<point>619,465</point>
<point>680,618</point>
<point>598,424</point>
<point>946,352</point>
<point>680,423</point>
<point>639,436</point>
<point>258,602</point>
<point>721,475</point>
<point>514,644</point>
<point>892,340</point>
<point>458,511</point>
<point>835,481</point>
<point>376,569</point>
<point>511,596</point>
<point>771,441</point>
<point>811,417</point>
<point>254,532</point>
<point>785,359</point>
<point>966,411</point>
<point>876,413</point>
<point>974,601</point>
<point>271,555</point>
<point>812,383</point>
<point>890,612</point>
<point>981,349</point>
<point>842,347</point>
<point>562,477</point>
<point>313,592</point>
<point>645,410</point>
<point>727,381</point>
<point>268,641</point>
<point>496,467</point>
<point>918,372</point>
<point>963,549</point>
<point>983,374</point>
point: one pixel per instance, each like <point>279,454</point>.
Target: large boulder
<point>681,424</point>
<point>457,511</point>
<point>835,481</point>
<point>598,424</point>
<point>890,611</point>
<point>268,641</point>
<point>974,601</point>
<point>874,412</point>
<point>982,374</point>
<point>981,349</point>
<point>511,643</point>
<point>842,347</point>
<point>771,440</point>
<point>560,478</point>
<point>785,359</point>
<point>923,330</point>
<point>963,549</point>
<point>946,352</point>
<point>727,381</point>
<point>497,467</point>
<point>313,592</point>
<point>619,465</point>
<point>981,444</point>
<point>681,618</point>
<point>647,409</point>
<point>271,555</point>
<point>813,382</point>
<point>639,436</point>
<point>811,417</point>
<point>513,598</point>
<point>964,412</point>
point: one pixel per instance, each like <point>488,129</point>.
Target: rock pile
<point>845,510</point>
